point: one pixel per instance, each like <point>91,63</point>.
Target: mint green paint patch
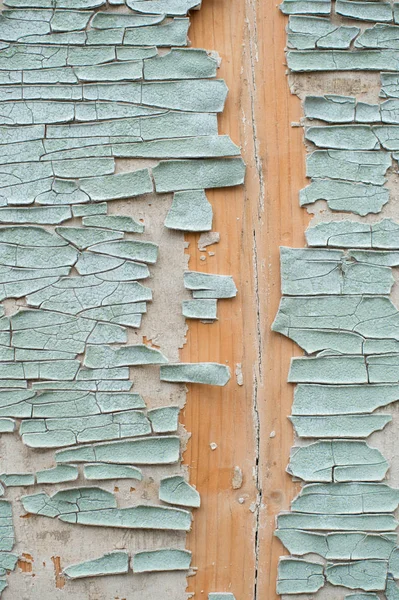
<point>132,250</point>
<point>126,71</point>
<point>364,167</point>
<point>391,590</point>
<point>88,210</point>
<point>328,369</point>
<point>17,479</point>
<point>73,134</point>
<point>389,88</point>
<point>112,563</point>
<point>43,216</point>
<point>187,147</point>
<point>331,108</point>
<point>312,32</point>
<point>383,369</point>
<point>7,425</point>
<point>206,285</point>
<point>72,295</point>
<point>58,474</point>
<point>297,576</point>
<point>221,596</point>
<point>361,597</point>
<point>379,36</point>
<point>351,234</point>
<point>200,309</point>
<point>173,33</point>
<point>365,11</point>
<point>337,461</point>
<point>176,175</point>
<point>191,63</point>
<point>104,471</point>
<point>346,498</point>
<point>393,566</point>
<point>303,7</point>
<point>193,95</point>
<point>8,562</point>
<point>114,222</point>
<point>176,490</point>
<point>68,501</point>
<point>107,356</point>
<point>345,137</point>
<point>148,451</point>
<point>339,426</point>
<point>308,271</point>
<point>190,211</point>
<point>175,125</point>
<point>164,7</point>
<point>83,238</point>
<point>164,559</point>
<point>344,522</point>
<point>116,187</point>
<point>164,419</point>
<point>206,373</point>
<point>109,268</point>
<point>338,546</point>
<point>366,574</point>
<point>361,199</point>
<point>69,20</point>
<point>104,20</point>
<point>47,432</point>
<point>123,314</point>
<point>342,60</point>
<point>137,517</point>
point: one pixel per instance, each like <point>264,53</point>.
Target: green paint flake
<point>331,108</point>
<point>176,490</point>
<point>200,309</point>
<point>344,522</point>
<point>68,501</point>
<point>350,234</point>
<point>105,20</point>
<point>104,471</point>
<point>116,187</point>
<point>114,222</point>
<point>88,210</point>
<point>345,137</point>
<point>361,199</point>
<point>137,517</point>
<point>164,559</point>
<point>164,7</point>
<point>38,215</point>
<point>191,63</point>
<point>187,147</point>
<point>379,36</point>
<point>176,175</point>
<point>132,250</point>
<point>338,546</point>
<point>83,238</point>
<point>206,285</point>
<point>308,271</point>
<point>313,32</point>
<point>337,461</point>
<point>206,373</point>
<point>364,167</point>
<point>303,7</point>
<point>328,369</point>
<point>164,419</point>
<point>361,597</point>
<point>8,562</point>
<point>108,268</point>
<point>172,33</point>
<point>365,574</point>
<point>190,211</point>
<point>221,596</point>
<point>365,11</point>
<point>297,576</point>
<point>138,354</point>
<point>17,479</point>
<point>148,451</point>
<point>112,563</point>
<point>58,474</point>
<point>339,426</point>
<point>342,60</point>
<point>346,498</point>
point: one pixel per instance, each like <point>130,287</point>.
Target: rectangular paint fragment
<point>179,175</point>
<point>297,576</point>
<point>167,559</point>
<point>206,373</point>
<point>112,563</point>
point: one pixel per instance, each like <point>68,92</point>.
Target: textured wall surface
<point>340,305</point>
<point>109,140</point>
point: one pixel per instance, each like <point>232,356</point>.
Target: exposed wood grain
<point>233,542</point>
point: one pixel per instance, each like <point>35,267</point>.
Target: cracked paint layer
<point>109,139</point>
<point>347,379</point>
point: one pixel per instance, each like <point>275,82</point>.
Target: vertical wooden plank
<point>232,537</point>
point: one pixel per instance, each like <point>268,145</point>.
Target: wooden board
<point>232,535</point>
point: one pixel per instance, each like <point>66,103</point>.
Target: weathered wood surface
<point>232,541</point>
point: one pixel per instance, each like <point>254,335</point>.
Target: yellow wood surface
<point>232,535</point>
